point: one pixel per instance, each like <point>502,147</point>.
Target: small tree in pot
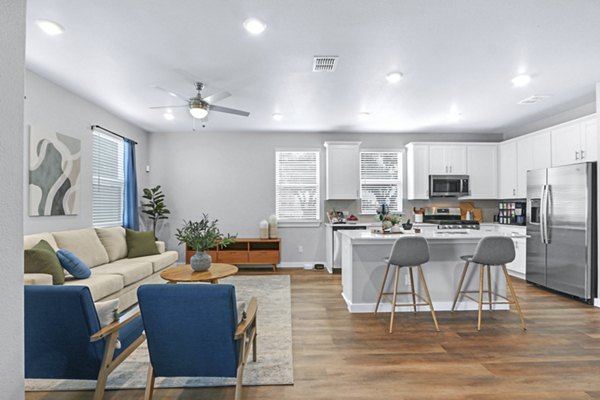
<point>201,236</point>
<point>155,206</point>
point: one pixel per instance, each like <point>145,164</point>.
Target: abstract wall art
<point>54,168</point>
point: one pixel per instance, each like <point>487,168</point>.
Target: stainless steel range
<point>447,218</point>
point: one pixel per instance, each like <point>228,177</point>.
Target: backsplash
<point>488,207</point>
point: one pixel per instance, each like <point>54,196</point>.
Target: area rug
<point>273,367</point>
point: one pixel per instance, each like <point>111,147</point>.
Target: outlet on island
<point>300,249</point>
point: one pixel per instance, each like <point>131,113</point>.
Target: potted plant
<point>155,206</point>
<point>201,236</point>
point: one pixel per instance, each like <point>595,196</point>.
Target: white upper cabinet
<point>417,171</point>
<point>447,159</point>
<point>507,187</point>
<point>533,152</point>
<point>482,168</point>
<point>590,137</point>
<point>575,142</point>
<point>342,170</point>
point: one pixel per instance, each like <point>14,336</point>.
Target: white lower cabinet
<point>518,266</point>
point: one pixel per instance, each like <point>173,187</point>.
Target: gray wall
<point>231,176</point>
<point>52,107</point>
<point>12,48</point>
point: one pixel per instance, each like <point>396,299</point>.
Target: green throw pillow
<point>140,244</point>
<point>42,259</point>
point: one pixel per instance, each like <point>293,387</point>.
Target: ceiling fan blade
<point>172,93</point>
<point>213,98</point>
<point>228,110</point>
<point>153,108</point>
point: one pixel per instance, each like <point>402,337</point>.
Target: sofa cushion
<point>131,271</point>
<point>37,279</point>
<point>31,240</point>
<point>41,259</point>
<point>100,285</point>
<point>84,243</point>
<point>140,244</point>
<point>73,264</point>
<point>113,240</point>
<point>159,261</point>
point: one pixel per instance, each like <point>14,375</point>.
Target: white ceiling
<point>459,52</point>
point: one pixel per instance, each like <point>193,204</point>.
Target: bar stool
<point>411,252</point>
<point>490,251</point>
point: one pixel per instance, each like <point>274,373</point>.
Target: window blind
<point>107,180</point>
<point>297,185</point>
<point>380,181</point>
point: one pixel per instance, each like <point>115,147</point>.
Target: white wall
<point>52,107</point>
<point>12,48</point>
<point>231,176</point>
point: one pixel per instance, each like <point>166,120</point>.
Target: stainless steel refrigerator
<point>561,225</point>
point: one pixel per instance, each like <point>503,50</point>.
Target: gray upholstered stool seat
<point>490,251</point>
<point>409,252</point>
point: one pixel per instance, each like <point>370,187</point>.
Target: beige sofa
<point>104,250</point>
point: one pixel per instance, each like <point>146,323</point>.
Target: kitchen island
<point>363,266</point>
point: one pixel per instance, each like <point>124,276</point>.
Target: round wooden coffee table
<point>185,273</point>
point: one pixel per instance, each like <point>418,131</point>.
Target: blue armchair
<point>63,339</point>
<point>193,330</point>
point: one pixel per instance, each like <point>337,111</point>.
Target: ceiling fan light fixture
<point>254,26</point>
<point>198,112</point>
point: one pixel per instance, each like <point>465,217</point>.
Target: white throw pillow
<point>84,243</point>
<point>114,241</point>
<point>108,312</point>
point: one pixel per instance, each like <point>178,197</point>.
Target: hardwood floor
<point>338,355</point>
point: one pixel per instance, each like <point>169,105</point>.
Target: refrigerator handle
<point>543,215</point>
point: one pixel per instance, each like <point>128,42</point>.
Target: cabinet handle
<point>514,192</point>
<point>582,154</point>
<point>450,168</point>
<point>446,169</point>
<point>577,155</point>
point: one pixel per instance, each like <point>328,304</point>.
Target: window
<point>380,180</point>
<point>297,185</point>
<point>107,180</point>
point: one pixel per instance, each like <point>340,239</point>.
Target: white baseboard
<point>596,302</point>
<point>299,264</point>
<point>437,305</point>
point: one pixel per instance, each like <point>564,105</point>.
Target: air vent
<point>325,63</point>
<point>532,99</point>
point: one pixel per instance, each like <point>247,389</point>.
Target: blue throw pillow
<point>73,264</point>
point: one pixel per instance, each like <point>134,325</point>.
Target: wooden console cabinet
<point>245,252</point>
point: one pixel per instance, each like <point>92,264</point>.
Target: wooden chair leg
<point>105,367</point>
<point>480,296</point>
<point>387,269</point>
<point>426,289</point>
<point>394,297</point>
<point>238,382</point>
<point>489,286</point>
<point>149,392</point>
<point>254,342</point>
<point>514,296</point>
<point>412,288</point>
<point>460,284</point>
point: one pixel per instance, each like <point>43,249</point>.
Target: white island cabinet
<point>342,170</point>
<point>363,267</point>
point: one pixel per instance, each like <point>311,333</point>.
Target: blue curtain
<point>130,198</point>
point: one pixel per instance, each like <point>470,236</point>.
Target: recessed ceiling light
<point>521,80</point>
<point>49,27</point>
<point>364,115</point>
<point>254,26</point>
<point>455,115</point>
<point>169,116</point>
<point>394,77</point>
<point>277,117</point>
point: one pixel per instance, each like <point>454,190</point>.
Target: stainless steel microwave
<point>448,185</point>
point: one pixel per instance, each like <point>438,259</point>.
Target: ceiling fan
<point>200,106</point>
